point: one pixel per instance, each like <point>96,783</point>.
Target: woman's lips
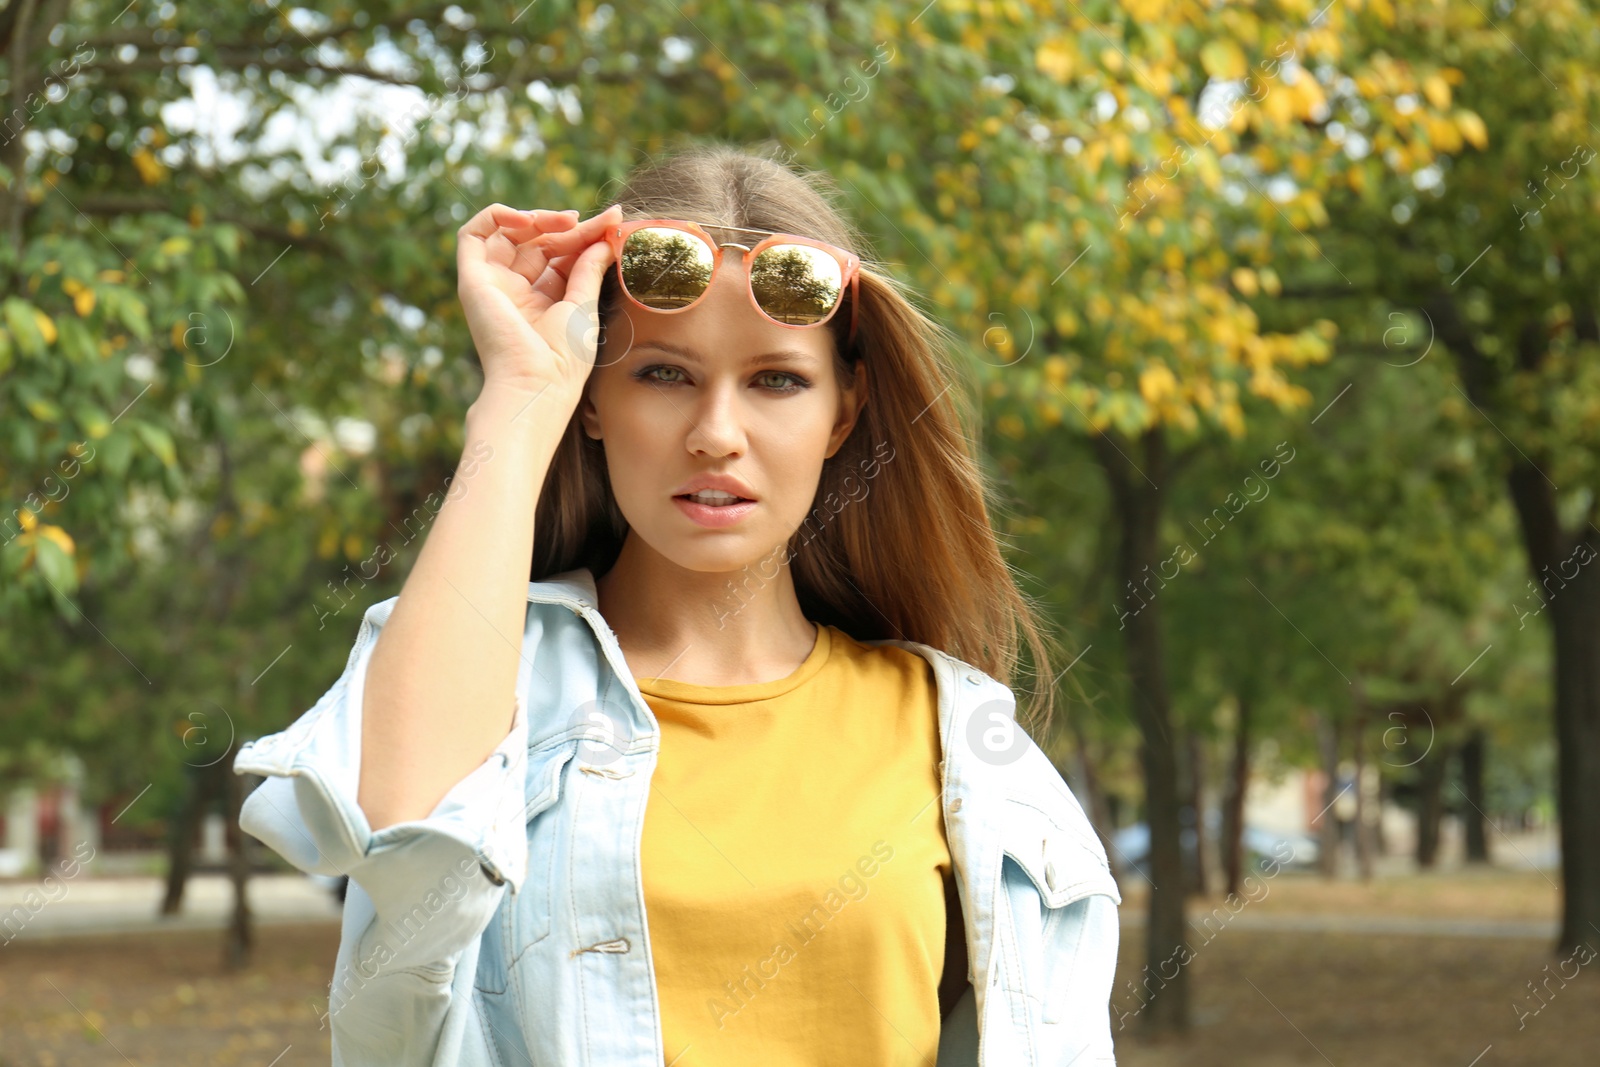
<point>713,515</point>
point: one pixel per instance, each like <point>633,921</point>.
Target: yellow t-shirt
<point>794,859</point>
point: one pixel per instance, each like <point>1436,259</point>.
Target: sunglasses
<point>666,265</point>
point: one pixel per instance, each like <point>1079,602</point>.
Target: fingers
<point>552,284</point>
<point>501,234</point>
<point>586,274</point>
<point>574,240</point>
<point>498,216</point>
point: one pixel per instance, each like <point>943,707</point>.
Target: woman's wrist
<point>530,406</point>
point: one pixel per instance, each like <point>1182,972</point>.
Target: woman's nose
<point>716,422</point>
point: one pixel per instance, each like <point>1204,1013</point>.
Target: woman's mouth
<point>714,507</point>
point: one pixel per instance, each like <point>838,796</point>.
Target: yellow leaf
<point>1270,284</point>
<point>1244,280</point>
<point>1279,104</point>
<point>1223,59</point>
<point>1437,90</point>
<point>150,168</point>
<point>1472,128</point>
<point>1445,135</point>
<point>59,536</point>
<point>46,327</point>
<point>1055,370</point>
<point>1120,148</point>
<point>1054,59</point>
<point>83,302</point>
<point>1156,383</point>
<point>1094,153</point>
<point>1309,95</point>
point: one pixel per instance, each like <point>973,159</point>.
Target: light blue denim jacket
<point>508,927</point>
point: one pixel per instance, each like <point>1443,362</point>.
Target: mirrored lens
<point>796,284</point>
<point>665,268</point>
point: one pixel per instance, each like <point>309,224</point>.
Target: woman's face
<point>716,390</point>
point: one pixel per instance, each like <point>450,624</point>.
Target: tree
<point>1486,232</point>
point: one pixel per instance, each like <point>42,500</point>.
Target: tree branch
<point>124,205</point>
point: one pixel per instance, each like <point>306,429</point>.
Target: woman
<point>751,692</point>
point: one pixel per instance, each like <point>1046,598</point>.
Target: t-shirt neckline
<point>690,693</point>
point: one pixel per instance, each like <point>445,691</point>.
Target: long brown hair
<point>899,542</point>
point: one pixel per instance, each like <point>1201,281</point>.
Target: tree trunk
<point>1138,498</point>
<point>180,838</point>
<point>1575,616</point>
<point>1564,569</point>
<point>1474,817</point>
<point>1363,834</point>
<point>1380,840</point>
<point>1328,822</point>
<point>1233,809</point>
<point>1430,804</point>
<point>1194,785</point>
<point>239,940</point>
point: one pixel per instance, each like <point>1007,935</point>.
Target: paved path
<point>85,905</point>
<point>1360,924</point>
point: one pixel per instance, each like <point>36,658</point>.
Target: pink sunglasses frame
<point>849,264</point>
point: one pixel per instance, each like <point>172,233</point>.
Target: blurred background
<point>1283,320</point>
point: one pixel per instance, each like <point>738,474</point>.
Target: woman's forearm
<point>440,687</point>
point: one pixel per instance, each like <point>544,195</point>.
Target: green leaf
<point>24,327</point>
<point>39,406</point>
<point>93,421</point>
<point>134,315</point>
<point>116,451</point>
<point>157,440</point>
<point>55,565</point>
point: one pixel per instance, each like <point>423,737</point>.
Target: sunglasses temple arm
<point>855,307</point>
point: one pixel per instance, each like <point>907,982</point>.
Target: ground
<point>1263,996</point>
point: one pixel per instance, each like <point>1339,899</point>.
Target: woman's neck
<point>705,627</point>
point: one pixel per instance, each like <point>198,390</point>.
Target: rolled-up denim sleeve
<point>428,886</point>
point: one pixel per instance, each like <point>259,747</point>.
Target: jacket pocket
<point>547,827</point>
<point>1054,869</point>
<point>524,919</point>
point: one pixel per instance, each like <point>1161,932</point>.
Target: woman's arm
<point>443,674</point>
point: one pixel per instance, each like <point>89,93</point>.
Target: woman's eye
<point>781,381</point>
<point>772,381</point>
<point>650,374</point>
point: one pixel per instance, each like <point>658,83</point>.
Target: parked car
<point>1131,845</point>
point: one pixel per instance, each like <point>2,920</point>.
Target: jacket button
<point>973,678</point>
<point>955,805</point>
<point>1050,875</point>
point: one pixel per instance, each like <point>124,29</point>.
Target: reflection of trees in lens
<point>795,284</point>
<point>665,268</point>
